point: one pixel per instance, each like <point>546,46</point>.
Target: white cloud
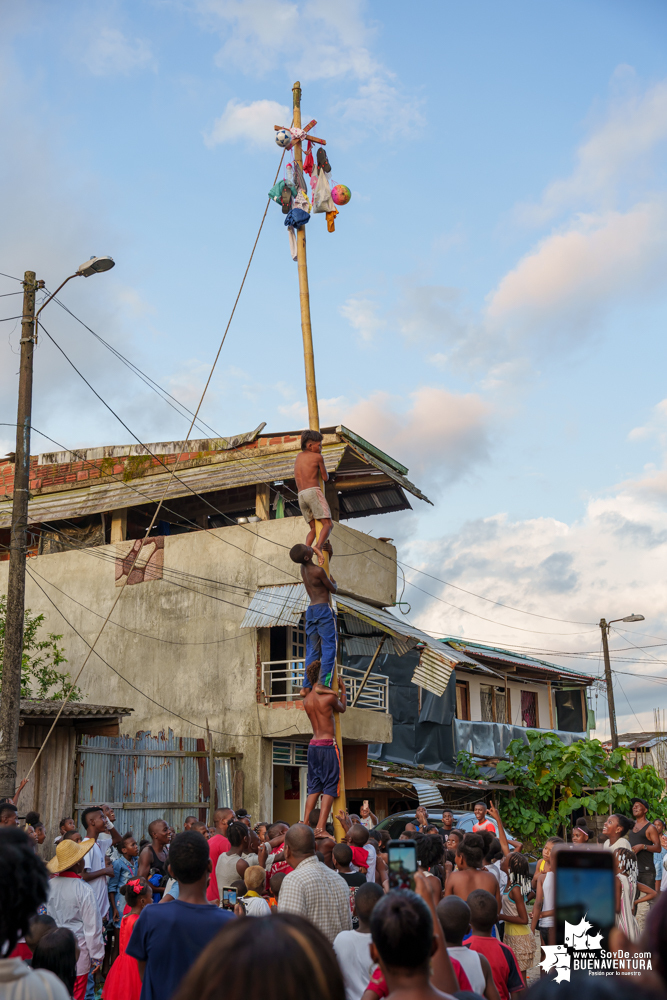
<point>314,40</point>
<point>250,122</point>
<point>362,315</point>
<point>111,53</point>
<point>609,563</point>
<point>441,435</point>
<point>618,149</point>
<point>572,276</point>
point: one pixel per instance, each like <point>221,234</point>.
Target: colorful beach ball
<point>341,194</point>
<point>284,138</point>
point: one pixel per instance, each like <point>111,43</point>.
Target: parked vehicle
<point>397,822</point>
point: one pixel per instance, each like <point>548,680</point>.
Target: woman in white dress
<point>626,891</point>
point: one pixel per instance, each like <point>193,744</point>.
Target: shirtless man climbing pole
<point>309,466</point>
<point>321,624</point>
<point>323,760</point>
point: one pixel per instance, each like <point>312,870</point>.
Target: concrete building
<point>177,648</point>
<point>207,644</point>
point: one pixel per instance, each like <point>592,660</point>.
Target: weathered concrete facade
<point>178,639</point>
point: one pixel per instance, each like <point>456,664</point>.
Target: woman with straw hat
<point>72,904</point>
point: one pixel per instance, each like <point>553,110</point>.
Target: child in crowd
<point>72,835</point>
<point>39,926</point>
<point>483,916</point>
<point>470,873</point>
<point>454,838</point>
<point>32,819</point>
<point>545,885</point>
<point>66,825</point>
<point>580,832</point>
<point>275,883</point>
<point>363,853</point>
<point>406,943</point>
<point>124,981</point>
<point>454,916</point>
<point>124,868</point>
<point>353,947</point>
<point>341,857</point>
<point>57,951</point>
<point>255,906</point>
<point>514,898</point>
<point>260,830</point>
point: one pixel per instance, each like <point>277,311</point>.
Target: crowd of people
<point>276,910</point>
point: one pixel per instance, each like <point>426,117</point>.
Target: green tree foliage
<point>553,780</point>
<point>40,677</point>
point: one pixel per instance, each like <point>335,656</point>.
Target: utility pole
<point>304,293</point>
<point>314,424</point>
<point>604,628</point>
<point>10,696</point>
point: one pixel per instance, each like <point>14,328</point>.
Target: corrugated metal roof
<point>428,793</point>
<point>128,778</point>
<point>433,671</point>
<point>435,665</point>
<point>280,605</point>
<point>45,709</point>
<point>150,489</point>
<point>504,656</point>
<point>633,741</point>
<point>284,604</point>
<point>159,448</point>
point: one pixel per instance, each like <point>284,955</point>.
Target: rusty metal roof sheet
<point>160,448</point>
<point>73,709</point>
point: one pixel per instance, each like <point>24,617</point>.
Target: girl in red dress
<point>123,981</point>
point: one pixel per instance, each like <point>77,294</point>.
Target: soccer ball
<point>341,194</point>
<point>284,138</point>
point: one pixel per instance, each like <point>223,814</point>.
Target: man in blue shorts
<point>321,624</point>
<point>320,704</point>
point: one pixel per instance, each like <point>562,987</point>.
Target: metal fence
<point>283,679</point>
<point>149,777</point>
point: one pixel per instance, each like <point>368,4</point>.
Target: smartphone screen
<point>232,897</point>
<point>585,890</point>
<point>225,897</point>
<point>402,864</point>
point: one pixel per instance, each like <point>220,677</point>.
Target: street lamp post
<point>604,628</point>
<point>10,694</point>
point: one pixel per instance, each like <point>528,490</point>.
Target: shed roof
<point>31,708</point>
<point>479,652</point>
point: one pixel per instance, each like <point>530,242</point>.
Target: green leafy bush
<point>553,779</point>
<point>40,677</point>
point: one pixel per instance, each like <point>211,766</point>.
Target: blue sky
<point>490,309</point>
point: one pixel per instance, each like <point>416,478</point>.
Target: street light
<point>604,628</point>
<point>10,695</point>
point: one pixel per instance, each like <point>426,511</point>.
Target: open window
<point>529,715</point>
<point>494,703</point>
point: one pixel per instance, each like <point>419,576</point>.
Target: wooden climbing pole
<point>314,420</point>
